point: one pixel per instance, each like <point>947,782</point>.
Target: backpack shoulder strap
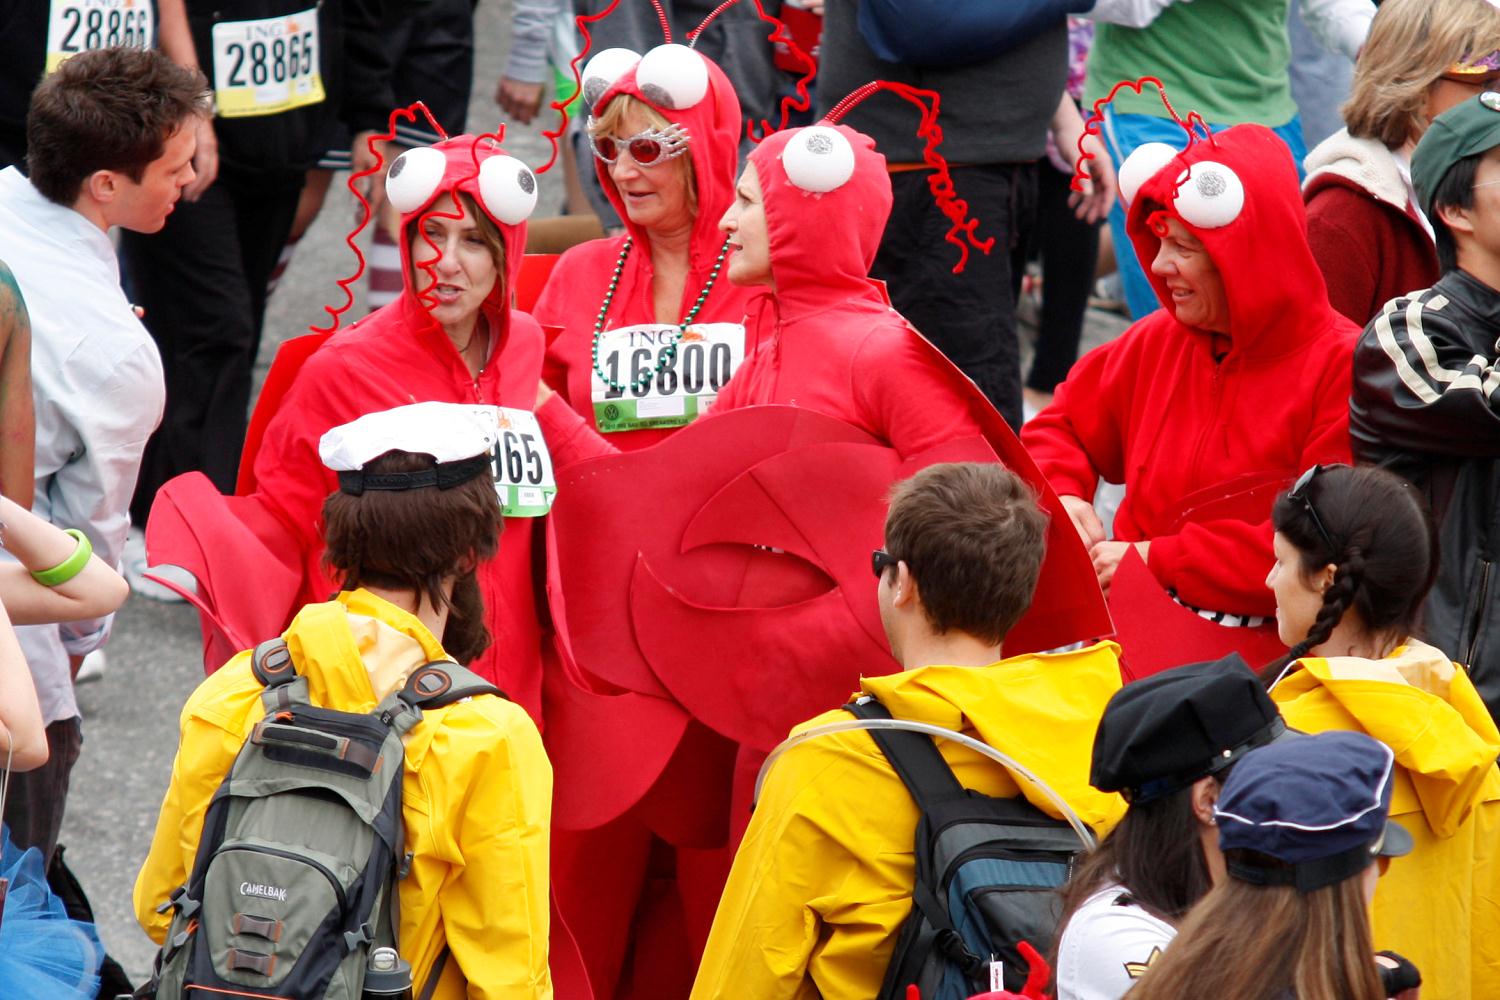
<point>913,756</point>
<point>443,682</point>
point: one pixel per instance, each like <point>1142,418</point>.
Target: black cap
<point>1164,732</point>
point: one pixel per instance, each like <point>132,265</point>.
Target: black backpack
<point>294,879</point>
<point>987,875</point>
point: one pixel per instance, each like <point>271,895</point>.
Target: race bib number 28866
<point>76,26</point>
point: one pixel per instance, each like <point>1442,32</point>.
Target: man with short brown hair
<point>111,136</point>
<point>823,879</point>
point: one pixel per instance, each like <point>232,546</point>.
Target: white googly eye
<point>508,188</point>
<point>1141,165</point>
<point>1210,197</point>
<point>414,177</point>
<point>673,77</point>
<point>602,70</point>
<point>818,159</point>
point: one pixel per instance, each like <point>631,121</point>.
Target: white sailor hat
<point>459,437</point>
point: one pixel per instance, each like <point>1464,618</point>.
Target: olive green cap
<point>1463,130</point>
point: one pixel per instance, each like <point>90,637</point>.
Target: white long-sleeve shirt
<point>1340,25</point>
<point>97,379</point>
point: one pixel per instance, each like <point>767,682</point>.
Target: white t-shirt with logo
<point>1107,946</point>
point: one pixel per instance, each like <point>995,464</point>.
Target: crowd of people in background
<point>603,704</point>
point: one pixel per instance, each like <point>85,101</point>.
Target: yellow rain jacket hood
<point>476,798</point>
<point>823,879</point>
<point>1440,905</point>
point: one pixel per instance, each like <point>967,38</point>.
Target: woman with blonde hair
<point>1366,228</point>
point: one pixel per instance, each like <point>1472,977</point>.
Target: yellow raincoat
<point>822,881</point>
<point>1440,905</point>
<point>476,798</point>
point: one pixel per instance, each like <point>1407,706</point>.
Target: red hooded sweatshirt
<point>579,283</point>
<point>1202,428</point>
<point>395,356</point>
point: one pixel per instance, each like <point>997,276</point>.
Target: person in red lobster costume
<point>1208,407</point>
<point>450,337</point>
<point>759,622</point>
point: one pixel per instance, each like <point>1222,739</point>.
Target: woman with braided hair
<point>1356,554</point>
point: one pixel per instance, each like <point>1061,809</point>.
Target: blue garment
<point>1122,135</point>
<point>42,952</point>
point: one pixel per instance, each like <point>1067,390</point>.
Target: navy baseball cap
<point>1318,805</point>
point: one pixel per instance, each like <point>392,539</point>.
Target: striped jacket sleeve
<point>1426,381</point>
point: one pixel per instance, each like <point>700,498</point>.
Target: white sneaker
<point>92,668</point>
<point>134,567</point>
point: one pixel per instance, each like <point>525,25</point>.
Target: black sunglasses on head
<point>880,560</point>
<point>1298,494</point>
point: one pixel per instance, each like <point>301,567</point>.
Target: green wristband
<point>69,567</point>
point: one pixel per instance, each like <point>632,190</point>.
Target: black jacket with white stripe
<point>1426,405</point>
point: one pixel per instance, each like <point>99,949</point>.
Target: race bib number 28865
<point>76,26</point>
<point>268,66</point>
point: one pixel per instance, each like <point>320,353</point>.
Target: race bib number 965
<point>84,25</point>
<point>522,466</point>
<point>268,66</point>
<point>655,386</point>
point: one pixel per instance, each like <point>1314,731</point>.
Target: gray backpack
<point>294,878</point>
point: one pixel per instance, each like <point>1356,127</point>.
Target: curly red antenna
<point>581,22</point>
<point>801,98</point>
<point>409,113</point>
<point>961,234</point>
<point>661,15</point>
<point>1095,122</point>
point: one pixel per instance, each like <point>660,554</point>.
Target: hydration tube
<point>1008,762</point>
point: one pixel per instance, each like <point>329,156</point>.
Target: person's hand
<point>543,393</point>
<point>205,160</point>
<point>1093,203</point>
<point>1107,556</point>
<point>1082,514</point>
<point>362,158</point>
<point>519,99</point>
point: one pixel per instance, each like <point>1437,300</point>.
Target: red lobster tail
<point>581,22</point>
<point>1192,124</point>
<point>408,113</point>
<point>961,234</point>
<point>801,98</point>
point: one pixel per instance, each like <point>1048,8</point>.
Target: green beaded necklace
<point>671,351</point>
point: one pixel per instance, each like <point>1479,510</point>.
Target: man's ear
<point>906,586</point>
<point>1457,218</point>
<point>102,186</point>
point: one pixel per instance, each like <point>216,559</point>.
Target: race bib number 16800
<point>268,66</point>
<point>76,26</point>
<point>661,376</point>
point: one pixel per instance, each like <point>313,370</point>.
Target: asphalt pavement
<point>155,657</point>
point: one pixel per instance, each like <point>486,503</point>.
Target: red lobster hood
<point>813,271</point>
<point>713,127</point>
<point>1268,269</point>
<point>464,154</point>
<point>728,568</point>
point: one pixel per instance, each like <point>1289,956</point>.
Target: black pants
<point>1069,250</point>
<point>202,282</point>
<point>970,317</point>
<point>35,799</point>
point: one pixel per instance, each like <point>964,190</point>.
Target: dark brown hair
<point>1385,551</point>
<point>414,540</point>
<point>109,109</point>
<point>973,537</point>
<point>1249,942</point>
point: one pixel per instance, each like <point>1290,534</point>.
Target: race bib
<point>268,66</point>
<point>522,465</point>
<point>682,385</point>
<point>83,25</point>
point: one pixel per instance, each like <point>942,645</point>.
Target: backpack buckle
<point>363,936</point>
